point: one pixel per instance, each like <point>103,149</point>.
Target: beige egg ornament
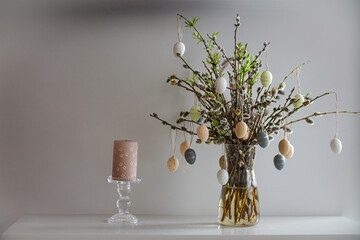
<point>290,154</point>
<point>173,164</point>
<point>183,147</point>
<point>202,133</point>
<point>241,129</point>
<point>284,146</point>
<point>222,162</point>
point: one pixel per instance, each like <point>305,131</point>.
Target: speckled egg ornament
<point>179,49</point>
<point>335,145</point>
<point>173,164</point>
<point>263,139</point>
<point>195,113</point>
<point>290,154</point>
<point>222,162</point>
<point>190,156</point>
<point>279,161</point>
<point>220,85</point>
<point>300,100</point>
<point>222,176</point>
<point>203,133</point>
<point>241,129</point>
<point>183,147</point>
<point>266,78</point>
<point>284,146</point>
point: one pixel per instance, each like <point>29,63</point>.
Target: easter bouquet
<point>237,105</point>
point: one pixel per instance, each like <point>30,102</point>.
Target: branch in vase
<point>317,114</point>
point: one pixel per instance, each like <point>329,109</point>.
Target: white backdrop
<point>76,76</point>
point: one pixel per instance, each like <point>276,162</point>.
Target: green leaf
<point>195,20</point>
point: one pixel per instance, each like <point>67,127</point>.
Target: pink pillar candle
<point>124,160</point>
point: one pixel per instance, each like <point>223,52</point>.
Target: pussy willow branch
<point>205,44</point>
<point>171,125</point>
<point>293,72</point>
<point>296,109</point>
<point>319,114</point>
<point>195,72</point>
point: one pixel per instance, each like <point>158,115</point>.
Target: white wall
<point>76,76</point>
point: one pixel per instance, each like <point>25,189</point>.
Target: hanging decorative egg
<point>190,156</point>
<point>247,135</point>
<point>222,176</point>
<point>335,145</point>
<point>279,161</point>
<point>179,49</point>
<point>290,153</point>
<point>183,147</point>
<point>220,85</point>
<point>222,162</point>
<point>195,113</point>
<point>241,129</point>
<point>266,78</point>
<point>300,100</point>
<point>173,164</point>
<point>202,133</point>
<point>284,146</point>
<point>263,139</point>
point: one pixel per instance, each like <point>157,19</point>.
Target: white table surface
<point>78,227</point>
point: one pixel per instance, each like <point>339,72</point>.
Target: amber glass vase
<point>239,199</point>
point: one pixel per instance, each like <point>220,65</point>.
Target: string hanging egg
<point>241,129</point>
<point>284,146</point>
<point>300,100</point>
<point>183,147</point>
<point>279,161</point>
<point>335,145</point>
<point>266,78</point>
<point>263,139</point>
<point>220,85</point>
<point>179,49</point>
<point>190,156</point>
<point>290,154</point>
<point>203,133</point>
<point>222,176</point>
<point>195,113</point>
<point>173,164</point>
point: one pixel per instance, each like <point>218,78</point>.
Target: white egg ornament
<point>220,85</point>
<point>195,113</point>
<point>300,100</point>
<point>335,145</point>
<point>222,176</point>
<point>179,49</point>
<point>202,133</point>
<point>173,164</point>
<point>266,78</point>
<point>241,129</point>
<point>183,147</point>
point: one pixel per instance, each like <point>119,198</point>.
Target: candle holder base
<point>123,203</point>
<point>122,218</point>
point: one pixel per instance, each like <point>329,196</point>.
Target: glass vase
<point>239,199</point>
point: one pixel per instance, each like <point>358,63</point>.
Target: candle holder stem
<point>123,203</point>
